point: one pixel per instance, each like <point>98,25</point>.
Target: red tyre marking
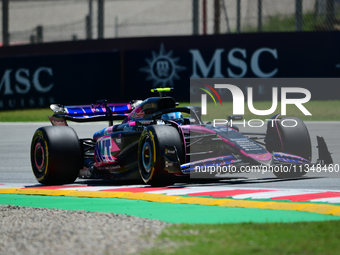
<point>228,193</point>
<point>35,156</point>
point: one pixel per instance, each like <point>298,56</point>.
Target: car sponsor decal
<point>104,150</point>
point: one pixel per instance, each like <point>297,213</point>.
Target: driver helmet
<point>174,116</point>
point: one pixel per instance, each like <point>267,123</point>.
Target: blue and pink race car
<point>158,141</point>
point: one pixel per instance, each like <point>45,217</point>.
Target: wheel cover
<point>39,156</point>
<point>147,156</point>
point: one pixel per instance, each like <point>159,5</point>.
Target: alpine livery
<point>158,141</point>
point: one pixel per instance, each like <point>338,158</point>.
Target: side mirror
<point>235,117</point>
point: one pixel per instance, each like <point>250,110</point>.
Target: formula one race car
<point>156,143</point>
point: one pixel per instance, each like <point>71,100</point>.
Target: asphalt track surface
<point>15,139</point>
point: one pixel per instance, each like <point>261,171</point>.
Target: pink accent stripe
<point>262,157</point>
<point>114,147</point>
<point>228,193</point>
<point>307,197</point>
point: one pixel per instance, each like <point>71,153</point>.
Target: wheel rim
<point>147,156</point>
<point>39,156</point>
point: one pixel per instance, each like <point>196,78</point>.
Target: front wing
<point>236,164</point>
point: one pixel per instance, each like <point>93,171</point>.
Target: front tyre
<point>56,156</point>
<point>151,151</point>
<point>292,140</point>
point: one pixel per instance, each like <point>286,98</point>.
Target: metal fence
<point>60,20</point>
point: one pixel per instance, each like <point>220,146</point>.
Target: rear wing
<point>100,111</point>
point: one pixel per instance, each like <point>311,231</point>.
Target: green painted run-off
<point>174,213</point>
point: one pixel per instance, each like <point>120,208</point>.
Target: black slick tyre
<point>56,156</point>
<point>292,140</point>
<point>151,150</point>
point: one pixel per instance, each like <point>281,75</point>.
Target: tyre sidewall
<point>159,136</point>
<point>291,140</point>
<point>39,167</point>
<point>62,155</point>
<point>296,140</point>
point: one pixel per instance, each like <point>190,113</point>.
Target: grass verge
<point>286,23</point>
<point>251,238</point>
<point>26,115</point>
<point>321,111</point>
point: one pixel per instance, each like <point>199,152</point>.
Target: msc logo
<point>162,68</point>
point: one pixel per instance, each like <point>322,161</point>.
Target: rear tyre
<point>56,156</point>
<point>151,150</point>
<point>291,140</point>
